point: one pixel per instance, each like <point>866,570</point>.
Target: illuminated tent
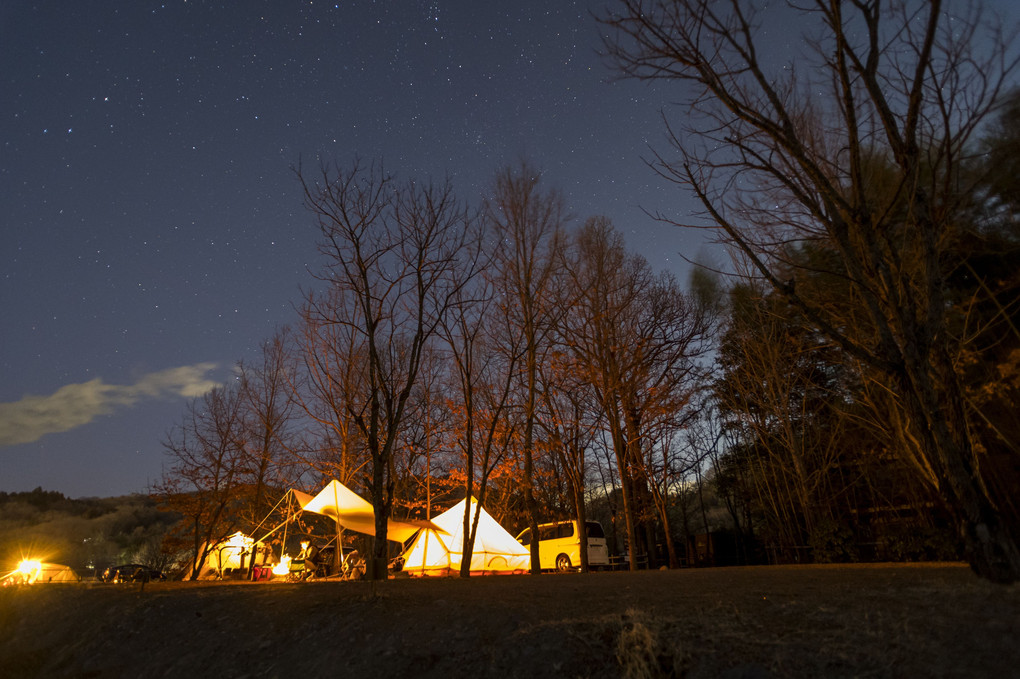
<point>55,572</point>
<point>351,512</point>
<point>440,552</point>
<point>227,554</point>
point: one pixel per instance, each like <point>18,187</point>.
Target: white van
<point>559,545</point>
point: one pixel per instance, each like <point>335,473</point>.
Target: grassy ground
<point>737,623</point>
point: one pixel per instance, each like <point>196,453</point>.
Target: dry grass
<point>745,623</point>
<point>642,651</point>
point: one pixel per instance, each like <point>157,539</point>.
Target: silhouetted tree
<point>206,466</point>
<point>871,166</point>
<point>635,337</point>
<point>391,250</point>
<point>526,222</point>
<point>485,350</point>
<point>268,441</point>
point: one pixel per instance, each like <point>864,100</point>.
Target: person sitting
<point>353,566</point>
<point>310,555</point>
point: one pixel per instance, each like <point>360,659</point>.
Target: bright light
<point>240,541</point>
<point>282,568</point>
<point>29,569</point>
<point>29,565</point>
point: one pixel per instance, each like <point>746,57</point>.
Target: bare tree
<point>781,385</point>
<point>636,337</point>
<point>571,417</point>
<point>206,466</point>
<point>608,287</point>
<point>268,442</point>
<point>427,440</point>
<point>391,251</point>
<point>332,375</point>
<point>670,459</point>
<point>858,144</point>
<point>527,224</point>
<point>484,350</point>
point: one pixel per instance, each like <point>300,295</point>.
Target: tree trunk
<point>376,568</point>
<point>622,465</point>
<point>991,543</point>
<point>529,432</point>
<point>582,522</point>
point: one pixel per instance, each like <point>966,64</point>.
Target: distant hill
<point>87,534</point>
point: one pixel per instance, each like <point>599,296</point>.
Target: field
<point>736,623</point>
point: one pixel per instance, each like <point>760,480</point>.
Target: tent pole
<point>425,551</point>
<point>338,554</point>
<point>283,545</point>
<point>285,497</point>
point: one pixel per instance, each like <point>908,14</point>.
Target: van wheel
<point>563,563</point>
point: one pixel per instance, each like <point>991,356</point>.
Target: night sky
<point>151,227</point>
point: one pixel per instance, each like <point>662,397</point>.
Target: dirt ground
<point>735,623</point>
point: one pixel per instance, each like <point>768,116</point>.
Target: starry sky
<point>151,227</point>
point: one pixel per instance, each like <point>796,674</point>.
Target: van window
<point>525,537</point>
<point>565,530</point>
<point>547,532</point>
<point>594,529</point>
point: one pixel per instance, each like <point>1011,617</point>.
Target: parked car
<point>131,572</point>
<point>559,545</point>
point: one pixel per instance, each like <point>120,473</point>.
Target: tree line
<point>445,351</point>
<point>845,393</point>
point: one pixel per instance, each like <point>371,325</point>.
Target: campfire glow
<point>282,568</point>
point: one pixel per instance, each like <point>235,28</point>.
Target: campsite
<point>888,620</point>
<point>433,547</point>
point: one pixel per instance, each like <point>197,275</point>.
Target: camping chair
<point>297,569</point>
<point>323,569</point>
<point>353,567</point>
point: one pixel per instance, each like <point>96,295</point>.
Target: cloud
<point>73,405</point>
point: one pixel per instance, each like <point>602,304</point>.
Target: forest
<point>842,390</point>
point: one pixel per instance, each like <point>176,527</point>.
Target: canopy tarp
<point>353,513</point>
<point>302,498</point>
<point>494,550</point>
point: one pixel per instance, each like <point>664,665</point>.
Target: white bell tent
<point>441,552</point>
